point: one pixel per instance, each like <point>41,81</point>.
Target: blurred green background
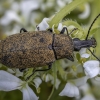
<point>15,14</point>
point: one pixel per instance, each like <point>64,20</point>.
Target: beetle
<point>38,48</point>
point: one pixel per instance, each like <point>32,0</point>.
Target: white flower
<point>86,13</point>
<point>70,90</point>
<point>80,81</point>
<point>62,3</point>
<point>43,25</point>
<point>60,26</point>
<point>88,97</point>
<point>57,83</point>
<point>16,71</point>
<point>31,5</point>
<point>9,82</point>
<point>37,81</point>
<point>83,53</point>
<point>28,93</point>
<point>51,78</point>
<point>9,17</point>
<point>91,68</point>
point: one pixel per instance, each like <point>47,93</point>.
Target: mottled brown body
<point>30,49</point>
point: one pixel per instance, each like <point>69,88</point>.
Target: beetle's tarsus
<point>63,30</point>
<point>73,30</point>
<point>49,67</point>
<point>23,29</point>
<point>50,30</point>
<point>21,69</point>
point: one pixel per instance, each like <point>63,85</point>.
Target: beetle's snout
<point>78,44</point>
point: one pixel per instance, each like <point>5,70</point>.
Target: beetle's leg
<point>50,30</point>
<point>49,67</point>
<point>23,29</point>
<point>21,69</point>
<point>37,27</point>
<point>73,30</point>
<point>63,30</point>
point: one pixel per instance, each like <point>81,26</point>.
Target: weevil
<point>39,48</point>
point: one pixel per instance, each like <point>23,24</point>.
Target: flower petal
<point>57,83</point>
<point>86,13</point>
<point>70,90</point>
<point>28,93</point>
<point>83,53</point>
<point>48,78</point>
<point>86,55</point>
<point>60,26</point>
<point>80,81</point>
<point>91,68</point>
<point>18,73</point>
<point>8,81</point>
<point>88,97</point>
<point>43,25</point>
<point>37,81</point>
<point>9,17</point>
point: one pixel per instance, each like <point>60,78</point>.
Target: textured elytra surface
<point>27,50</point>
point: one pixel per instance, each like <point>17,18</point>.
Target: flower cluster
<point>82,69</point>
<point>10,82</point>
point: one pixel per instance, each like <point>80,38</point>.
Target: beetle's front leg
<point>23,29</point>
<point>63,30</point>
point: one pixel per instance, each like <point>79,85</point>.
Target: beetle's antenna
<point>94,55</point>
<point>91,26</point>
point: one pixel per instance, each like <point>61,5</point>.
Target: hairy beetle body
<point>30,49</point>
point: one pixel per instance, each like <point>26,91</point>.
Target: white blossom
<point>91,68</point>
<point>43,25</point>
<point>70,90</point>
<point>10,16</point>
<point>10,82</point>
<point>88,97</point>
<point>51,78</point>
<point>60,26</point>
<point>32,5</point>
<point>80,81</point>
<point>18,73</point>
<point>37,81</point>
<point>15,71</point>
<point>83,53</point>
<point>48,78</point>
<point>86,13</point>
<point>57,83</point>
<point>63,3</point>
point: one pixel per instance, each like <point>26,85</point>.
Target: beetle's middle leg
<point>49,67</point>
<point>23,29</point>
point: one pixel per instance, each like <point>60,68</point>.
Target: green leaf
<point>70,22</point>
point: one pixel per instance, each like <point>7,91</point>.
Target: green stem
<point>55,76</point>
<point>65,11</point>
